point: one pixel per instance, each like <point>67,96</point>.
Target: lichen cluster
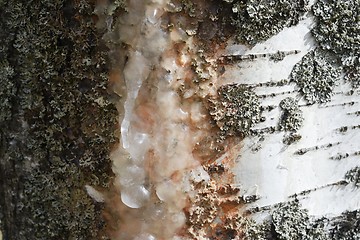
<point>236,109</point>
<point>292,222</point>
<point>291,118</point>
<point>346,226</point>
<point>258,20</point>
<point>207,20</point>
<point>213,214</point>
<point>316,77</point>
<point>8,90</point>
<point>288,220</point>
<point>56,120</point>
<point>353,176</point>
<point>250,21</point>
<point>337,30</point>
<point>291,138</point>
<point>285,221</point>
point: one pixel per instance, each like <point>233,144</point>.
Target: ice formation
<point>159,129</point>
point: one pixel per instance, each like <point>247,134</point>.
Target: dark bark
<point>56,120</point>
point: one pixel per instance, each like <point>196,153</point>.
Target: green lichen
<point>291,118</point>
<point>316,77</point>
<point>55,137</point>
<point>235,110</point>
<point>337,30</point>
<point>258,20</point>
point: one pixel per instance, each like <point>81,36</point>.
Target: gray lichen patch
<point>8,90</point>
<point>337,30</point>
<point>292,222</point>
<point>352,70</point>
<point>346,226</point>
<point>292,117</point>
<point>291,138</point>
<point>259,231</point>
<point>236,109</point>
<point>258,20</point>
<point>316,77</point>
<point>353,176</point>
<point>289,221</point>
<point>54,137</point>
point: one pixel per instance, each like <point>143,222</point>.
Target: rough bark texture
<point>56,120</point>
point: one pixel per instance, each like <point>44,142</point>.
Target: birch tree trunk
<point>236,120</point>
